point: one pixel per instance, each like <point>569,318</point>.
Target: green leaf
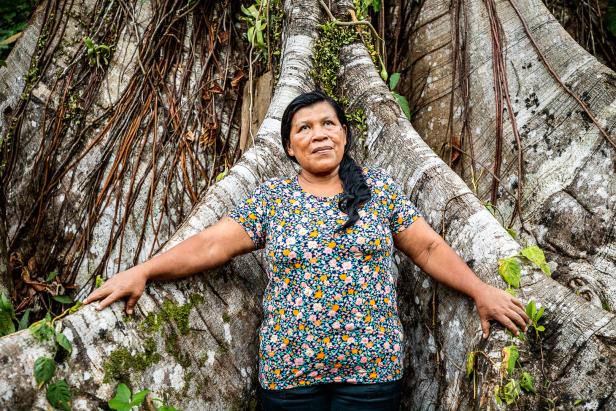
<point>490,207</point>
<point>51,276</point>
<point>510,270</point>
<point>376,5</point>
<point>545,267</point>
<point>535,255</point>
<point>6,305</point>
<point>610,18</point>
<point>64,299</point>
<point>44,368</point>
<point>497,396</point>
<point>404,104</point>
<point>59,395</point>
<point>64,342</point>
<point>470,363</point>
<point>122,399</point>
<point>222,175</point>
<point>167,408</point>
<point>512,233</point>
<point>250,35</point>
<point>6,324</point>
<point>98,282</point>
<point>511,291</point>
<point>25,318</point>
<point>527,382</point>
<point>42,330</point>
<point>139,397</point>
<point>539,314</point>
<point>510,357</point>
<point>511,392</point>
<point>89,43</point>
<point>383,73</point>
<point>393,81</point>
<point>531,309</point>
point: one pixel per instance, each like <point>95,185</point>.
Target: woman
<point>331,336</point>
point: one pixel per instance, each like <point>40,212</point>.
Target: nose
<point>319,133</point>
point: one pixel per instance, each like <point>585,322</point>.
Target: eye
<point>303,127</point>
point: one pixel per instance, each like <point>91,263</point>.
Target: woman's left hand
<point>495,304</point>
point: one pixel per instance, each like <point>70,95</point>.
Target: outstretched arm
<point>210,248</point>
<point>433,255</point>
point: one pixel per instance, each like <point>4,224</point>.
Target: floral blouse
<point>330,311</point>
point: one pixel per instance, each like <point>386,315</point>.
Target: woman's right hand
<point>129,283</point>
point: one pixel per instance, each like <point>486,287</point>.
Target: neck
<point>321,184</point>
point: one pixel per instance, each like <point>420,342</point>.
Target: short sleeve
<point>252,215</point>
<point>403,212</point>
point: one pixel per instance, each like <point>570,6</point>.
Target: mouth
<point>322,149</point>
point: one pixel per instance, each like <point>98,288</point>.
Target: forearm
<point>443,264</point>
<point>195,254</point>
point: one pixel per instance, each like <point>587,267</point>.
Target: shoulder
<point>274,186</point>
<point>376,176</point>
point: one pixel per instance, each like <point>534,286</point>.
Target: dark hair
<point>356,190</point>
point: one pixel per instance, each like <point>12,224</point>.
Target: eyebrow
<point>328,117</point>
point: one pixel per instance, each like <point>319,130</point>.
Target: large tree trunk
<point>210,362</point>
<point>557,174</point>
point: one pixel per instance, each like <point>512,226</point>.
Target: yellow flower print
<point>331,244</point>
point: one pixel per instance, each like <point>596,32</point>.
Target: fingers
<point>522,314</point>
<point>518,303</point>
<point>112,297</point>
<point>507,323</point>
<point>517,319</point>
<point>485,327</point>
<point>130,304</point>
<point>97,295</point>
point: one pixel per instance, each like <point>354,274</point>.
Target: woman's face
<point>317,138</point>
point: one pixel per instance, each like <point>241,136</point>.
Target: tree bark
<point>561,167</point>
<point>211,362</point>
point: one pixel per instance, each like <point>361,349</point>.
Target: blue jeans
<point>384,396</point>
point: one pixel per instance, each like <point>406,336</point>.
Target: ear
<point>290,151</point>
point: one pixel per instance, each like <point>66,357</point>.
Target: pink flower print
<point>396,347</point>
<point>317,307</point>
<point>362,280</point>
<point>359,301</point>
<point>299,301</point>
<point>378,286</point>
<point>312,244</point>
<point>307,255</point>
<point>286,358</point>
<point>336,325</point>
<point>362,373</point>
<point>354,311</point>
<point>313,374</point>
<point>365,269</point>
<point>310,337</point>
<point>292,254</point>
<point>333,263</point>
<point>387,289</point>
<point>319,366</point>
<point>298,373</point>
<point>309,352</point>
<point>351,340</point>
<point>327,251</point>
<point>308,291</point>
<point>338,297</point>
<point>298,361</point>
<point>312,317</point>
<point>387,345</point>
<point>307,275</point>
<point>337,379</point>
<point>354,249</point>
<point>349,326</point>
<point>364,340</point>
<point>363,360</point>
<point>352,380</point>
<point>348,280</point>
<point>361,240</point>
<point>340,357</point>
<point>290,240</point>
<point>347,265</point>
<point>274,338</point>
